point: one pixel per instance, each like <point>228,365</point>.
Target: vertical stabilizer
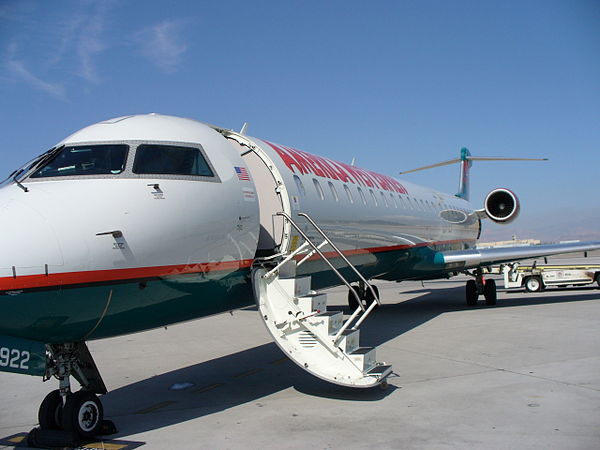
<point>465,165</point>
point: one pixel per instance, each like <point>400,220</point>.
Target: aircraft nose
<point>28,244</point>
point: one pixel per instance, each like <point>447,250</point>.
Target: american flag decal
<point>242,173</point>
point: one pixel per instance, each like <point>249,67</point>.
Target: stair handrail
<point>337,250</point>
<point>320,253</point>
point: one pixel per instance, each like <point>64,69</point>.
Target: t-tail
<point>466,161</point>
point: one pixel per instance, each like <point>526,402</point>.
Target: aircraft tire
<point>50,412</point>
<point>489,292</point>
<point>471,293</point>
<point>533,284</point>
<point>352,302</point>
<point>598,279</point>
<point>83,413</point>
<point>369,297</point>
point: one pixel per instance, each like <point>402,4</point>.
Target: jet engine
<point>501,206</point>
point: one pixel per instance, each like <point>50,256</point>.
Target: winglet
<point>244,129</point>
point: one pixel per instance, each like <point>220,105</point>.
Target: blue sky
<point>395,84</point>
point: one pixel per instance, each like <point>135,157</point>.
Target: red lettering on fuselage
<point>304,163</point>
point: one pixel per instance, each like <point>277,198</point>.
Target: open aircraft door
<point>271,192</point>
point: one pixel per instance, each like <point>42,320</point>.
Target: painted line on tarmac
<point>210,387</point>
<point>155,407</point>
<point>247,373</point>
<point>280,361</point>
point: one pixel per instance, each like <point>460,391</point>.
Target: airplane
<point>143,221</point>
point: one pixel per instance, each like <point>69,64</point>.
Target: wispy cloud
<point>17,69</point>
<point>162,45</point>
<point>59,47</point>
<point>90,43</point>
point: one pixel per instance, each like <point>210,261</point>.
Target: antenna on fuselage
<point>353,160</point>
<point>244,129</point>
<point>466,161</point>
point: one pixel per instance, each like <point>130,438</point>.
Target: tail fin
<point>465,164</point>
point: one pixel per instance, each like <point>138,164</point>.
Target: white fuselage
<point>93,238</point>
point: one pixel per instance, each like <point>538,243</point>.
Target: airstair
<point>320,341</point>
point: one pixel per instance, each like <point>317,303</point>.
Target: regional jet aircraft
<point>143,221</point>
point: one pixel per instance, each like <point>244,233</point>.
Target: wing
<point>467,259</point>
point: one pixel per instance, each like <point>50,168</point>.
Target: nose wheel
<point>67,416</point>
<point>83,414</point>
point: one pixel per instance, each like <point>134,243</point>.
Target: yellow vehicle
<point>535,278</point>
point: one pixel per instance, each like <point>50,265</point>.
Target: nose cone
<point>28,244</point>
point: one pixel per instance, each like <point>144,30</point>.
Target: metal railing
<point>317,249</point>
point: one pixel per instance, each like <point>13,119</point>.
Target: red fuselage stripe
<point>117,275</point>
<point>102,276</point>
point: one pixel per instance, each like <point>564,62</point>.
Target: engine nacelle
<point>501,206</point>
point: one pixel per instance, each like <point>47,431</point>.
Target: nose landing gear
<point>67,417</point>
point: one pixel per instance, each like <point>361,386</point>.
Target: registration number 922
<point>14,358</point>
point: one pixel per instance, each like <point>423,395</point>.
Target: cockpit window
<point>85,160</point>
<point>170,160</point>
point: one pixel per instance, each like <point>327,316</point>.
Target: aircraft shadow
<point>392,320</point>
<point>245,377</point>
<point>255,374</point>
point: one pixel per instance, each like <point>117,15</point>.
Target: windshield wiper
<point>30,165</point>
<point>37,163</point>
<point>19,172</point>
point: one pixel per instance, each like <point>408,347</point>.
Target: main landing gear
<point>365,294</point>
<point>67,417</point>
<point>480,286</point>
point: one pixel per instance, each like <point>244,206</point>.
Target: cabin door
<point>272,197</point>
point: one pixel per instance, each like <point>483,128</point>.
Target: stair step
<point>349,340</point>
<point>296,287</point>
<point>363,357</point>
<point>330,321</point>
<point>311,303</point>
<point>306,336</point>
<point>288,270</point>
<point>380,370</point>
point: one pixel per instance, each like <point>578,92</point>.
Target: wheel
<point>352,302</point>
<point>471,293</point>
<point>598,279</point>
<point>50,412</point>
<point>369,296</point>
<point>489,292</point>
<point>83,413</point>
<point>533,284</point>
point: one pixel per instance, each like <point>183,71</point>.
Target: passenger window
<point>384,199</point>
<point>170,160</point>
<point>319,189</point>
<point>300,186</point>
<point>373,195</point>
<point>85,160</point>
<point>348,193</point>
<point>333,191</point>
<point>402,203</point>
<point>362,196</point>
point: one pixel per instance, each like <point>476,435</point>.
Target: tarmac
<point>522,374</point>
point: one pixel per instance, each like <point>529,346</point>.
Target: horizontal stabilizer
<point>471,158</point>
<point>466,160</point>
